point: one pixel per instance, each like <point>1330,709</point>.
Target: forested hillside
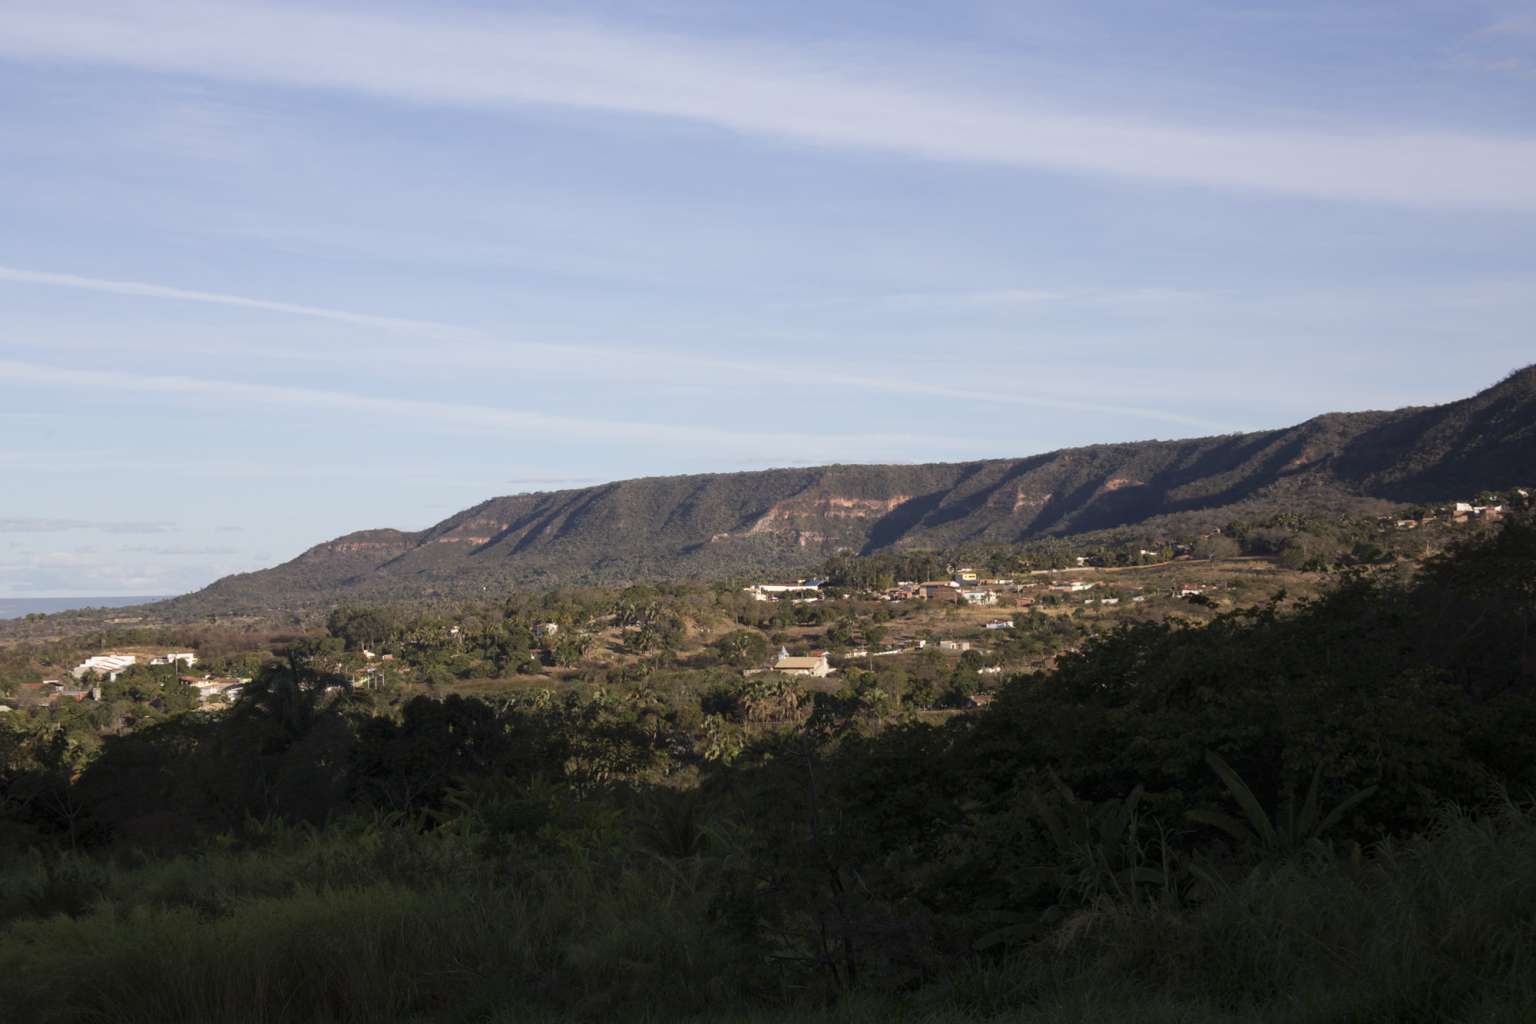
<point>784,520</point>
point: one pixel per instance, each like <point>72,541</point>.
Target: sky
<point>270,273</point>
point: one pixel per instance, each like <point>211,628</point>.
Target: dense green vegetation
<point>1297,811</point>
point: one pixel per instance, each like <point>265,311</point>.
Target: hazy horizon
<point>47,604</point>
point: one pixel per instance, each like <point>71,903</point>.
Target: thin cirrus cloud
<point>503,61</point>
<point>153,291</point>
<point>120,462</point>
<point>460,414</point>
<point>483,348</point>
<point>40,525</point>
<point>1512,25</point>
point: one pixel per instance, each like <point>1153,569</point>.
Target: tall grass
<point>384,924</point>
<point>372,925</point>
<point>1443,929</point>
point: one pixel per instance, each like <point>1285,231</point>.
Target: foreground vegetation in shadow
<point>1313,814</point>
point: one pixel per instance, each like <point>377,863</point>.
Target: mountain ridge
<point>779,520</point>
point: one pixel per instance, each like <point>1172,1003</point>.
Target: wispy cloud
<point>1518,67</point>
<point>1512,25</point>
<point>44,525</point>
<point>992,298</point>
<point>461,414</point>
<point>125,462</point>
<point>1503,46</point>
<point>179,550</point>
<point>481,348</point>
<point>552,481</point>
<point>494,61</point>
<point>153,291</point>
<point>1036,298</point>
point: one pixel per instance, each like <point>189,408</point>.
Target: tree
<point>1217,546</point>
<point>570,647</point>
<point>743,647</point>
<point>654,635</point>
<point>360,628</point>
<point>839,634</point>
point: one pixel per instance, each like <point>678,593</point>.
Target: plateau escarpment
<point>786,519</point>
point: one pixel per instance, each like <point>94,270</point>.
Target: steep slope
<point>1458,448</point>
<point>777,520</point>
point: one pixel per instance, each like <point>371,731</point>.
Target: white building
<point>176,657</point>
<point>768,591</point>
<point>209,690</point>
<point>812,665</point>
<point>980,597</point>
<point>108,665</point>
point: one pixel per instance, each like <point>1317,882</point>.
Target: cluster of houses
<point>991,592</point>
<point>84,682</point>
<point>956,591</point>
<point>965,588</point>
<point>817,664</point>
<point>1465,511</point>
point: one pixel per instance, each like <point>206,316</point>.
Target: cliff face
<point>778,520</point>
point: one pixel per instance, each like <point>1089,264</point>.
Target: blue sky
<point>273,272</point>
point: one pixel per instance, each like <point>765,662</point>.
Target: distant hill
<point>781,520</point>
<point>16,607</point>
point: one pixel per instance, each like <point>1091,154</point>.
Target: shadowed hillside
<point>784,519</point>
